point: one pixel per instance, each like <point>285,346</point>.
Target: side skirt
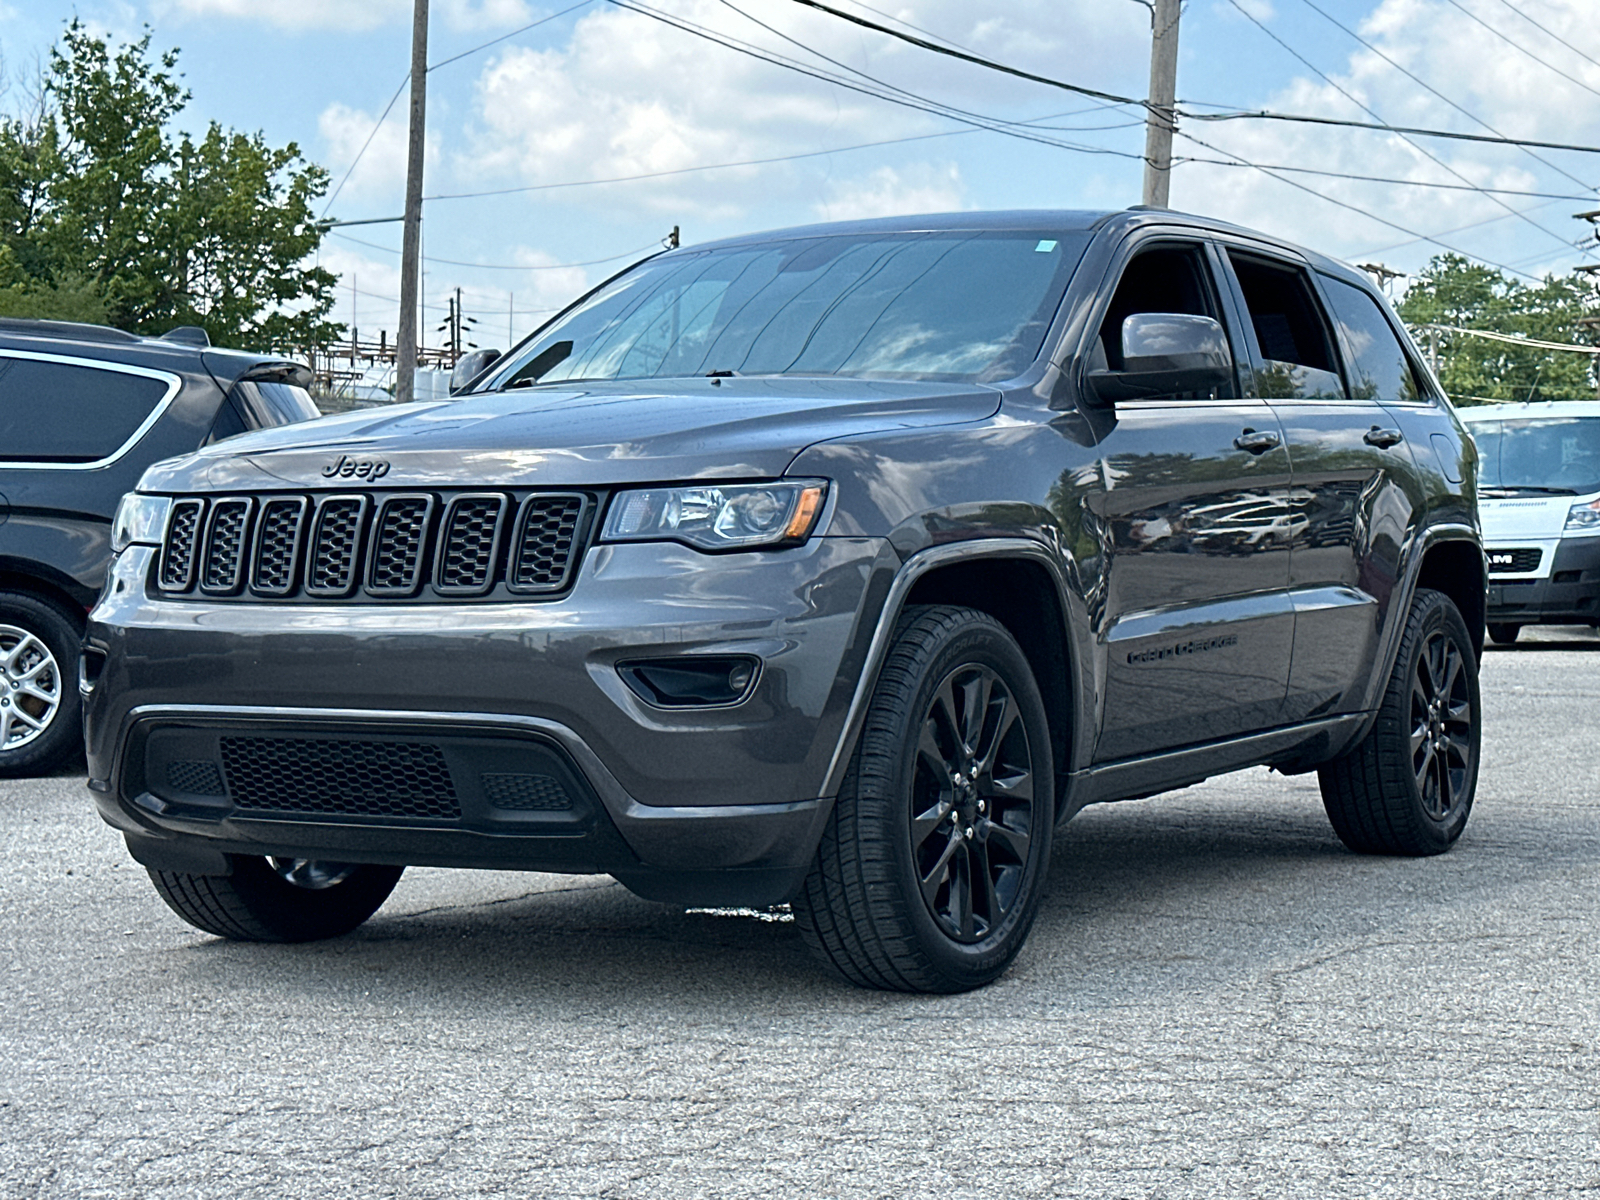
<point>1292,748</point>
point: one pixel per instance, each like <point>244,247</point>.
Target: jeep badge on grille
<point>359,468</point>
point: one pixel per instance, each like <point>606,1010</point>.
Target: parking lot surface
<point>1217,1000</point>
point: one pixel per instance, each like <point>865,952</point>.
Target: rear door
<point>1353,489</point>
<point>1196,626</point>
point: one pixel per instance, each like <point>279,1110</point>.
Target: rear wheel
<point>1407,787</point>
<point>278,899</point>
<point>933,862</point>
<point>41,718</point>
<point>1503,635</point>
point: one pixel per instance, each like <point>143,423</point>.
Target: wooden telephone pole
<point>405,369</point>
<point>1160,117</point>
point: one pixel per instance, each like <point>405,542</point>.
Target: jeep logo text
<point>359,468</point>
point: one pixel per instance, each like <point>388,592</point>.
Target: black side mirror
<point>470,366</point>
<point>1166,354</point>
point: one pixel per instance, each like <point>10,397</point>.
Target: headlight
<point>140,521</point>
<point>1584,518</point>
<point>740,516</point>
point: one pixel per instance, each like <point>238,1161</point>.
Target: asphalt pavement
<point>1218,1000</point>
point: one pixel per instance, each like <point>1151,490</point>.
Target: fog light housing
<point>691,681</point>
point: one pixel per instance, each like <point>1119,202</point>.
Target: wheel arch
<point>1020,583</point>
<point>1455,566</point>
<point>35,580</point>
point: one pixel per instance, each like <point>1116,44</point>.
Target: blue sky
<point>601,92</point>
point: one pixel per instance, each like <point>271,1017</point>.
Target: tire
<point>932,864</point>
<point>278,899</point>
<point>41,715</point>
<point>1395,792</point>
<point>1503,635</point>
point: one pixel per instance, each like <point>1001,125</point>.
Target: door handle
<point>1383,438</point>
<point>1257,442</point>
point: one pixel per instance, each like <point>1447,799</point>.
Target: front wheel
<point>1503,635</point>
<point>278,899</point>
<point>1407,787</point>
<point>932,865</point>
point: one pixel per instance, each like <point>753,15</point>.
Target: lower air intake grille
<point>1515,562</point>
<point>196,778</point>
<point>525,793</point>
<point>350,778</point>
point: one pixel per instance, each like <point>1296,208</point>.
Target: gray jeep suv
<point>835,566</point>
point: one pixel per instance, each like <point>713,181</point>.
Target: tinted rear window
<point>61,413</point>
<point>1382,371</point>
<point>938,306</point>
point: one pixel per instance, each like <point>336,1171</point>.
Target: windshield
<point>1544,454</point>
<point>934,306</point>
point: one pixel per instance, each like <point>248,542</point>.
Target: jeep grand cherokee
<point>835,566</point>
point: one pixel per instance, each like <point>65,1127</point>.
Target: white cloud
<point>887,192</point>
<point>354,15</point>
<point>1507,89</point>
<point>627,95</point>
<point>381,171</point>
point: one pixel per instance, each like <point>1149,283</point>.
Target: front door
<point>1196,626</point>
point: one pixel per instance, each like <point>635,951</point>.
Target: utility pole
<point>405,367</point>
<point>1161,116</point>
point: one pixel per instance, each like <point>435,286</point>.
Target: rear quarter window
<point>54,412</point>
<point>1380,368</point>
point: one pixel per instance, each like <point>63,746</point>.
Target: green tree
<point>1455,292</point>
<point>107,213</point>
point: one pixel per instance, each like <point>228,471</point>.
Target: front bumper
<point>1568,595</point>
<point>705,804</point>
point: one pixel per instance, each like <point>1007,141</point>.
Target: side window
<point>1163,279</point>
<point>59,413</point>
<point>1380,367</point>
<point>1297,354</point>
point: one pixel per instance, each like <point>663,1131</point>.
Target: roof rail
<point>75,330</point>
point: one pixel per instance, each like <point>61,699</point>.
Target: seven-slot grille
<point>1516,562</point>
<point>386,546</point>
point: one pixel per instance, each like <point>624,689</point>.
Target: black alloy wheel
<point>972,803</point>
<point>1444,745</point>
<point>932,865</point>
<point>1407,787</point>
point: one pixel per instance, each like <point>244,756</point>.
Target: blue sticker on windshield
<point>1044,247</point>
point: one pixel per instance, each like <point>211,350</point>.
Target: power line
<point>1351,207</point>
<point>1369,111</point>
<point>1422,83</point>
<point>994,124</point>
<point>1449,187</point>
<point>432,67</point>
<point>1460,229</point>
<point>500,266</point>
<point>749,162</point>
<point>1519,46</point>
<point>384,116</point>
<point>1550,32</point>
<point>1266,115</point>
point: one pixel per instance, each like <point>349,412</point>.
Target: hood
<point>1505,519</point>
<point>592,435</point>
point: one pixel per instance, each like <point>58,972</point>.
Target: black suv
<point>834,566</point>
<point>83,411</point>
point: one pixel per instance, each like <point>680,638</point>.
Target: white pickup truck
<point>1539,500</point>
